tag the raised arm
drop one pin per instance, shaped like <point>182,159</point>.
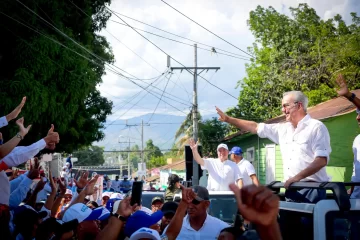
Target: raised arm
<point>244,125</point>
<point>196,155</point>
<point>344,91</point>
<point>6,148</point>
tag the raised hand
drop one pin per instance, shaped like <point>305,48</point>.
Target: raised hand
<point>90,186</point>
<point>15,113</point>
<point>193,144</point>
<point>62,187</point>
<point>22,130</point>
<point>125,209</point>
<point>39,186</point>
<point>52,183</point>
<point>257,204</point>
<point>15,174</point>
<point>342,89</point>
<point>34,170</point>
<point>52,138</point>
<point>222,116</point>
<point>83,181</point>
<point>188,194</point>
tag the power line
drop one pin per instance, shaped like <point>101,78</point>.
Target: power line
<point>170,33</point>
<point>159,100</point>
<point>207,29</point>
<point>172,57</point>
<point>110,69</point>
<point>190,45</point>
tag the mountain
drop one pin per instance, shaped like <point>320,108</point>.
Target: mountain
<point>161,130</point>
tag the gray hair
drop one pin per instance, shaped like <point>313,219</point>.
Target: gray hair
<point>299,97</point>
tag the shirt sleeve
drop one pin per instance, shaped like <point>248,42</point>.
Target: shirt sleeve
<point>237,173</point>
<point>321,143</point>
<point>3,122</point>
<point>15,183</point>
<point>250,169</point>
<point>270,131</point>
<point>22,154</point>
<point>17,196</point>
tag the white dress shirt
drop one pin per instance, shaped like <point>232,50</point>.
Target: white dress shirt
<point>246,170</point>
<point>221,174</point>
<point>3,122</point>
<point>356,168</point>
<point>20,155</point>
<point>210,229</point>
<point>300,146</point>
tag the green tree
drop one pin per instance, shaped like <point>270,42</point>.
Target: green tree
<point>155,162</point>
<point>90,156</point>
<point>151,150</point>
<point>60,84</point>
<point>211,133</point>
<point>301,52</point>
<point>185,132</point>
<point>135,156</point>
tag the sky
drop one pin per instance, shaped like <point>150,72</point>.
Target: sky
<point>142,60</point>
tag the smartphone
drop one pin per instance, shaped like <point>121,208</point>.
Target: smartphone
<point>136,193</point>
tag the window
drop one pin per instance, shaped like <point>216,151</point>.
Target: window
<point>250,154</point>
<point>342,225</point>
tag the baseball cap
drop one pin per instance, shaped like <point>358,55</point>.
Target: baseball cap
<point>81,212</point>
<point>115,195</point>
<point>106,194</point>
<point>145,233</point>
<point>201,192</point>
<point>236,151</point>
<point>68,192</point>
<point>157,199</point>
<point>222,145</point>
<point>141,219</point>
<point>169,207</point>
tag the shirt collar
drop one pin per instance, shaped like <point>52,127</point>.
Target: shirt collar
<point>304,121</point>
<point>187,222</point>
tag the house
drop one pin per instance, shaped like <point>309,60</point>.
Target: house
<point>339,117</point>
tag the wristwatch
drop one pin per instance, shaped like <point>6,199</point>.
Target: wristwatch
<point>118,216</point>
<point>19,136</point>
<point>351,99</point>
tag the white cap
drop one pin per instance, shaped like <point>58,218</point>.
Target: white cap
<point>115,195</point>
<point>81,212</point>
<point>68,192</point>
<point>116,206</point>
<point>107,194</point>
<point>222,145</point>
<point>145,233</point>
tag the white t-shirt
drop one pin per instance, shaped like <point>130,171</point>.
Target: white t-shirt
<point>221,174</point>
<point>246,170</point>
<point>116,185</point>
<point>210,229</point>
<point>356,167</point>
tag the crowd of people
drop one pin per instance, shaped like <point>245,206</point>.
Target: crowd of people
<point>35,205</point>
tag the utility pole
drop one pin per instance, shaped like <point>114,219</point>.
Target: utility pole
<point>128,156</point>
<point>195,178</point>
<point>142,141</point>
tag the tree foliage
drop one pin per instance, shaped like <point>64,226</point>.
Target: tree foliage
<point>90,156</point>
<point>185,132</point>
<point>60,84</point>
<point>151,151</point>
<point>210,135</point>
<point>302,52</point>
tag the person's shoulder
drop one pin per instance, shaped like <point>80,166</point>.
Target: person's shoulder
<point>215,221</point>
<point>231,163</point>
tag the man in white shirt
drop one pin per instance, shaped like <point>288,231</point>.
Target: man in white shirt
<point>116,184</point>
<point>247,170</point>
<point>304,144</point>
<point>198,224</point>
<point>344,91</point>
<point>222,172</point>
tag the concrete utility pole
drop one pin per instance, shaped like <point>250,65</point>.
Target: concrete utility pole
<point>142,136</point>
<point>129,173</point>
<point>195,178</point>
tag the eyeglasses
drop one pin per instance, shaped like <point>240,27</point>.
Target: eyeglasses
<point>196,202</point>
<point>287,105</point>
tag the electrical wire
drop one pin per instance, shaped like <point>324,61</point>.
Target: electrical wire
<point>170,34</point>
<point>159,100</point>
<point>173,57</point>
<point>207,29</point>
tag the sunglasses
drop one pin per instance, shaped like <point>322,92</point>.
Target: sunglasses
<point>196,202</point>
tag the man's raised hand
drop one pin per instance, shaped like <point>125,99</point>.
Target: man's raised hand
<point>15,113</point>
<point>52,138</point>
<point>222,116</point>
<point>187,194</point>
<point>342,89</point>
<point>193,144</point>
<point>22,130</point>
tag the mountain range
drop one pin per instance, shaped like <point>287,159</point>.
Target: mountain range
<point>161,129</point>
